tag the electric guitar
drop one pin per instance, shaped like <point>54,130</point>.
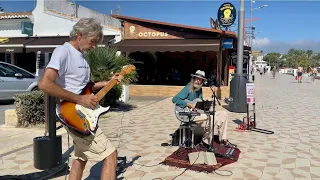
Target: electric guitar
<point>186,114</point>
<point>85,120</point>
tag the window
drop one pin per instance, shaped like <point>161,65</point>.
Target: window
<point>10,71</point>
<point>1,73</point>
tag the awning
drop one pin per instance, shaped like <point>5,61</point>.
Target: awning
<point>47,44</point>
<point>15,45</point>
<point>171,45</point>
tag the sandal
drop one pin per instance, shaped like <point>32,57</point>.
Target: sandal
<point>228,144</point>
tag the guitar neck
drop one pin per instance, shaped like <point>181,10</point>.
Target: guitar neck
<point>106,89</point>
<point>113,82</point>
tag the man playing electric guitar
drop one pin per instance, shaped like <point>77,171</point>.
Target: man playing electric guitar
<point>65,76</point>
<point>192,91</point>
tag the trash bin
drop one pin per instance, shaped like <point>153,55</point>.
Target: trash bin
<point>238,95</point>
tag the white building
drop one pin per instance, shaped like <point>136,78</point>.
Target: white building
<point>27,39</point>
<point>259,58</point>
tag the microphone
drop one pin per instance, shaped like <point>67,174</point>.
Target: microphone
<point>210,82</point>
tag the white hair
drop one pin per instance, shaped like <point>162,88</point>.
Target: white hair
<point>87,27</point>
<point>193,87</point>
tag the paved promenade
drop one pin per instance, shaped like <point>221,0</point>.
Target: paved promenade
<point>283,106</point>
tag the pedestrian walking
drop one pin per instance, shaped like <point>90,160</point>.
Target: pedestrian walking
<point>313,74</point>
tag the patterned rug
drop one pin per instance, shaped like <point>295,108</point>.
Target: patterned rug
<point>180,159</point>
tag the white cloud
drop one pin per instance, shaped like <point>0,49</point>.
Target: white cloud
<point>282,47</point>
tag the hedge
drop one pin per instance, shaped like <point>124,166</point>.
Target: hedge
<point>30,108</point>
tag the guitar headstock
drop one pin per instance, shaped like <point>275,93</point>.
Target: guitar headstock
<point>127,69</point>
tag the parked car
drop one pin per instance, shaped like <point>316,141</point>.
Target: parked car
<point>15,80</point>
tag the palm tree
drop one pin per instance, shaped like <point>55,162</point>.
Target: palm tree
<point>103,62</point>
<point>309,53</point>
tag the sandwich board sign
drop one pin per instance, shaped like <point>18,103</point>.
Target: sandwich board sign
<point>250,93</point>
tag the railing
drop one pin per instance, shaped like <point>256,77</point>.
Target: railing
<point>78,11</point>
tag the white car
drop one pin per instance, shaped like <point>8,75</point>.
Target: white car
<point>15,80</point>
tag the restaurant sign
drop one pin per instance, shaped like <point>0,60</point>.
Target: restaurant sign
<point>136,31</point>
<point>227,14</point>
<point>227,43</point>
<point>27,28</point>
<point>152,34</point>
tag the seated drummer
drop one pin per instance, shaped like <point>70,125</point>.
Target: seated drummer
<point>192,91</point>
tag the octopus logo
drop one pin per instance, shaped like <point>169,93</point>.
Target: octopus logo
<point>4,40</point>
<point>227,14</point>
<point>132,29</point>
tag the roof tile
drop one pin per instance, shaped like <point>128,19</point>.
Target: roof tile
<point>15,15</point>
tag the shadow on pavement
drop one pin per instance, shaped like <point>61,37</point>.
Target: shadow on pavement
<point>55,172</point>
<point>226,107</point>
<point>237,121</point>
<point>122,107</point>
<point>122,166</point>
<point>301,82</point>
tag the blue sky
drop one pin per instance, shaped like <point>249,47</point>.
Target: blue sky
<point>281,25</point>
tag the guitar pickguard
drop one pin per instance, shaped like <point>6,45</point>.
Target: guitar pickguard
<point>91,115</point>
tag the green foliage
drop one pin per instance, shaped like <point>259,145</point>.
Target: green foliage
<point>103,62</point>
<point>294,58</point>
<point>30,108</point>
<point>273,59</point>
<point>305,59</point>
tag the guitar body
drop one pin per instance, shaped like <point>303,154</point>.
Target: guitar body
<point>81,119</point>
<point>178,109</point>
<point>84,120</point>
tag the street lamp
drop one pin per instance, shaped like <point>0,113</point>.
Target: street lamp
<point>251,33</point>
<point>251,9</point>
<point>259,7</point>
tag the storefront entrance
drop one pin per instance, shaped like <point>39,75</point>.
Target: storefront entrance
<point>167,54</point>
<point>172,68</point>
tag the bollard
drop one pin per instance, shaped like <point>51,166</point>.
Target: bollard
<point>47,150</point>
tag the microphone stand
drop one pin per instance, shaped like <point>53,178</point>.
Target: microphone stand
<point>212,111</point>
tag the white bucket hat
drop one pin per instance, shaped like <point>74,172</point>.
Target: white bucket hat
<point>199,74</point>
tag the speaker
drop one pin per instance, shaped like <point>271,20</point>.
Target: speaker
<point>47,152</point>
